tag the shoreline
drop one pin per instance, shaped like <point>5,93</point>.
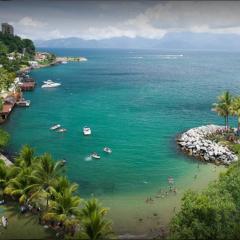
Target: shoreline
<point>195,143</point>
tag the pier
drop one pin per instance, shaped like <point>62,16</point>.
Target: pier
<point>7,108</point>
<point>27,86</point>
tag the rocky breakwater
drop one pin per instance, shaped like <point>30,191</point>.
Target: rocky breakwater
<point>195,143</point>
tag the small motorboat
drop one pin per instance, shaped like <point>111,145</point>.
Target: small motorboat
<point>23,103</point>
<point>50,84</point>
<point>95,155</point>
<point>87,131</point>
<point>55,127</point>
<point>107,150</point>
<point>61,130</point>
<point>64,62</point>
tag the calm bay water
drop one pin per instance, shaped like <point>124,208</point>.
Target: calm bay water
<point>135,102</point>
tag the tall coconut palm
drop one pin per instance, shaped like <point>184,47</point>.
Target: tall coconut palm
<point>62,183</point>
<point>223,107</point>
<point>235,109</point>
<point>6,174</point>
<point>64,209</point>
<point>44,176</point>
<point>95,226</point>
<point>18,186</point>
<point>26,157</point>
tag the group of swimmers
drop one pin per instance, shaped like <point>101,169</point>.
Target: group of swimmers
<point>164,193</point>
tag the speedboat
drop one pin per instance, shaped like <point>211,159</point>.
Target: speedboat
<point>23,103</point>
<point>61,130</point>
<point>48,81</point>
<point>64,62</point>
<point>87,131</point>
<point>107,150</point>
<point>95,155</point>
<point>50,84</point>
<point>55,127</point>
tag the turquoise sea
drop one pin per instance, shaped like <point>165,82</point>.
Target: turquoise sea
<point>136,102</point>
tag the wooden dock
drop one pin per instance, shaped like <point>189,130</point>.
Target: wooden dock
<point>27,86</point>
<point>7,109</point>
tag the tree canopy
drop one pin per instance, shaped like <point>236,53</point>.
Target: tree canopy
<point>4,138</point>
<point>16,44</point>
<point>213,213</point>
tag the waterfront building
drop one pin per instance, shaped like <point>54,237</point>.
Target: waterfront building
<point>7,29</point>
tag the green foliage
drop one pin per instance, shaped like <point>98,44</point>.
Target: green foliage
<point>4,138</point>
<point>16,44</point>
<point>6,78</point>
<point>235,148</point>
<point>38,180</point>
<point>212,214</point>
<point>223,106</point>
<point>3,48</point>
<point>95,225</point>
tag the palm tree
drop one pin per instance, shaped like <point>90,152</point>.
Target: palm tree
<point>235,109</point>
<point>6,174</point>
<point>223,107</point>
<point>17,187</point>
<point>62,183</point>
<point>44,177</point>
<point>20,175</point>
<point>95,226</point>
<point>26,157</point>
<point>64,209</point>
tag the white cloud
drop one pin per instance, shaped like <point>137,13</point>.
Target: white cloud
<point>29,22</point>
<point>106,19</point>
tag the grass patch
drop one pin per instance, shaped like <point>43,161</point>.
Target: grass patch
<point>22,226</point>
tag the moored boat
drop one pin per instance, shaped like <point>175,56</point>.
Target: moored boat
<point>55,127</point>
<point>61,130</point>
<point>87,131</point>
<point>107,150</point>
<point>23,103</point>
<point>95,155</point>
<point>50,84</point>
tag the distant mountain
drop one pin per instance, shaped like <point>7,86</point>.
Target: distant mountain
<point>183,40</point>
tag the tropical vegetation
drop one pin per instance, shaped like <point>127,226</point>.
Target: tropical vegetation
<point>10,43</point>
<point>213,213</point>
<point>224,107</point>
<point>4,138</point>
<point>37,184</point>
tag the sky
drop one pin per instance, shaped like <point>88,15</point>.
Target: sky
<point>50,19</point>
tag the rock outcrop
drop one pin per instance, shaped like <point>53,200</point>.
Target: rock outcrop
<point>195,143</point>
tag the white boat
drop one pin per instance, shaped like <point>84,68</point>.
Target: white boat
<point>55,127</point>
<point>87,131</point>
<point>23,103</point>
<point>107,150</point>
<point>48,81</point>
<point>64,62</point>
<point>61,130</point>
<point>95,155</point>
<point>50,84</point>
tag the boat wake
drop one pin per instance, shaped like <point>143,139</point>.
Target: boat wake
<point>136,57</point>
<point>88,159</point>
<point>170,56</point>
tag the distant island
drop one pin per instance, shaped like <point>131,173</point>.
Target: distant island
<point>171,41</point>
